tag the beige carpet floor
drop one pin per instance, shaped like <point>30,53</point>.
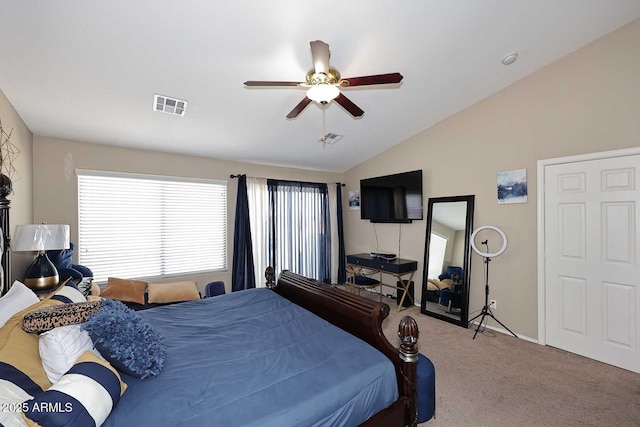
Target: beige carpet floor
<point>498,380</point>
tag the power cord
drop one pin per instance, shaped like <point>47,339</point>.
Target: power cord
<point>375,232</point>
<point>399,237</point>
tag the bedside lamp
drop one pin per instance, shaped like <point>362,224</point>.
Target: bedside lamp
<point>41,274</point>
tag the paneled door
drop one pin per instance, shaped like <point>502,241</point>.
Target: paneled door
<point>592,274</point>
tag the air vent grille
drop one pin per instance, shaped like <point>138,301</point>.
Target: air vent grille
<point>331,138</point>
<point>166,104</point>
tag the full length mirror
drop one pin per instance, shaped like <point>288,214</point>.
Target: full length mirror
<point>447,259</point>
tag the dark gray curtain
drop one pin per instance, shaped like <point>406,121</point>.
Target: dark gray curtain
<point>342,265</point>
<point>299,228</point>
<point>242,273</point>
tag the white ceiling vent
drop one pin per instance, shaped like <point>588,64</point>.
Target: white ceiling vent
<point>169,105</point>
<point>331,138</point>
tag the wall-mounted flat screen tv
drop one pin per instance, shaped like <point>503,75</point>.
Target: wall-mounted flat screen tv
<point>392,198</point>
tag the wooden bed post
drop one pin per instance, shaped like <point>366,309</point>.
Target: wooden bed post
<point>6,187</point>
<point>270,275</point>
<point>408,333</point>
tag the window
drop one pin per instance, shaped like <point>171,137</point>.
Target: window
<point>133,225</point>
<point>437,249</point>
<point>290,227</point>
<point>300,235</point>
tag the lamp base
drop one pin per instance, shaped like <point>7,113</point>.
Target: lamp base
<point>41,275</point>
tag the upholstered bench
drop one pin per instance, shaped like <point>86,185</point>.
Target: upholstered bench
<point>426,380</point>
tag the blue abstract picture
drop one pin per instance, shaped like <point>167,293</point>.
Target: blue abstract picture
<point>512,186</point>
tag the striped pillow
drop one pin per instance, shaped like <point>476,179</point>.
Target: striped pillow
<point>68,293</point>
<point>84,396</point>
<point>15,388</point>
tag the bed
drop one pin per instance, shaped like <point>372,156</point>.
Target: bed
<point>301,353</point>
<point>260,357</point>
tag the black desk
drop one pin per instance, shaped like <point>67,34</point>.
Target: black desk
<point>397,268</point>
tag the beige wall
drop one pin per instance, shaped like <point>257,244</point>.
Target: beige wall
<point>56,189</point>
<point>588,101</point>
<point>457,257</point>
<point>21,211</point>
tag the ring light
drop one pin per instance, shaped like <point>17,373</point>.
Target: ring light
<point>486,310</point>
<point>489,254</point>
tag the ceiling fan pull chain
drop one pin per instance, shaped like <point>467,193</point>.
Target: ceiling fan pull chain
<point>324,122</point>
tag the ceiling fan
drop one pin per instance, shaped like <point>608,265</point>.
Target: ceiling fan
<point>323,83</point>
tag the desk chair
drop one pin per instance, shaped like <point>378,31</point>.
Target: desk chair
<point>214,288</point>
<point>361,278</point>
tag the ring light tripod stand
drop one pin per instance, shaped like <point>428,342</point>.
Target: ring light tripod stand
<point>486,310</point>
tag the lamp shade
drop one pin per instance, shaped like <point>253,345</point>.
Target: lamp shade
<point>40,237</point>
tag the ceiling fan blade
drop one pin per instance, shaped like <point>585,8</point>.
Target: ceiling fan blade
<point>320,56</point>
<point>378,79</point>
<point>260,83</point>
<point>298,108</point>
<point>346,103</point>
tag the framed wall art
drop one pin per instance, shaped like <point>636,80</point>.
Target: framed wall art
<point>512,186</point>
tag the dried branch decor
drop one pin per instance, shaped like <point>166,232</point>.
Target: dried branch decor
<point>8,153</point>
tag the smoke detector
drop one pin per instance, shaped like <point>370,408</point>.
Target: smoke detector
<point>166,104</point>
<point>510,58</point>
<point>330,138</point>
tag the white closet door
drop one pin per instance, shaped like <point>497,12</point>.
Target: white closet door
<point>592,274</point>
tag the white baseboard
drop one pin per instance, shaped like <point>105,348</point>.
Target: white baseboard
<point>504,331</point>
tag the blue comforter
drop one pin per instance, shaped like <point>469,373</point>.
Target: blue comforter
<point>252,358</point>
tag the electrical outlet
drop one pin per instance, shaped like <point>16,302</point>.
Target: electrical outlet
<point>493,304</point>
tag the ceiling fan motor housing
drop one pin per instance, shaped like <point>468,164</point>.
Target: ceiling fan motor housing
<point>332,78</point>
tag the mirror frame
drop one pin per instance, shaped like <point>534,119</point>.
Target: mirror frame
<point>464,310</point>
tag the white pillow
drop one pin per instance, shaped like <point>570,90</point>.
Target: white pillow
<point>60,348</point>
<point>17,299</point>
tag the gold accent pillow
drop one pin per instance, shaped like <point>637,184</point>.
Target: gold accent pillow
<point>432,286</point>
<point>21,349</point>
<point>439,284</point>
<point>125,290</point>
<point>172,292</point>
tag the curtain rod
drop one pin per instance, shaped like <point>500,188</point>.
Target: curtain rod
<point>242,174</point>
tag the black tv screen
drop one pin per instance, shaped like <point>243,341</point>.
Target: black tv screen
<point>392,198</point>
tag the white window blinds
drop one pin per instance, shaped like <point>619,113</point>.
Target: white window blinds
<point>142,226</point>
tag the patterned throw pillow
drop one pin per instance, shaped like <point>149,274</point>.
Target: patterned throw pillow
<point>47,318</point>
<point>84,396</point>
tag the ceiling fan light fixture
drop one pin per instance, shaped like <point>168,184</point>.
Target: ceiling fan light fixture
<point>323,93</point>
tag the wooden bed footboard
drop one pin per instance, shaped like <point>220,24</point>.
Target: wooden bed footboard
<point>363,318</point>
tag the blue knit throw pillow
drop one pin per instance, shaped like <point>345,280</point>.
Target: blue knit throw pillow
<point>126,340</point>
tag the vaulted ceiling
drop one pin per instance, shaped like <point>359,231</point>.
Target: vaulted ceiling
<point>88,71</point>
